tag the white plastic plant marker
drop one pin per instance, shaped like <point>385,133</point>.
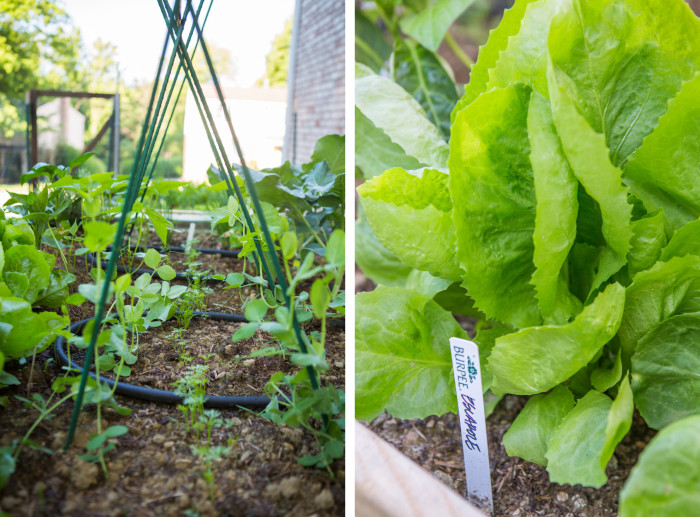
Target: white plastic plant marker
<point>470,398</point>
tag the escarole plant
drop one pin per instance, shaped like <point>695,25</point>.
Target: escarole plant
<point>564,217</point>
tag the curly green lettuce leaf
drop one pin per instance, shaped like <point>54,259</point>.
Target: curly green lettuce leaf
<point>383,268</point>
<point>648,239</point>
<point>57,291</point>
<point>402,355</point>
<point>536,359</point>
<point>430,24</point>
<point>654,296</point>
<point>490,53</point>
<point>556,189</point>
<point>393,110</point>
<point>603,378</point>
<point>666,479</point>
<point>419,71</point>
<point>491,183</point>
<point>410,213</point>
<point>531,432</point>
<point>584,442</point>
<point>664,171</point>
<point>28,329</point>
<point>524,60</point>
<point>587,154</point>
<point>375,261</point>
<point>375,152</point>
<point>622,61</point>
<point>26,271</point>
<point>685,241</point>
<point>666,371</point>
<point>486,339</point>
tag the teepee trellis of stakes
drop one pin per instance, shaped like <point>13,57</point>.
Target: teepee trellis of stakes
<point>179,21</point>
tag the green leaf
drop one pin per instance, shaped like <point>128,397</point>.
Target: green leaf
<point>430,24</point>
<point>28,329</point>
<point>531,432</point>
<point>122,282</point>
<point>331,149</point>
<point>410,213</point>
<point>665,368</point>
<point>160,224</point>
<point>166,272</point>
<point>536,359</point>
<point>587,153</point>
<point>245,331</point>
<point>663,173</point>
<point>375,152</point>
<point>394,111</point>
<point>57,291</point>
<point>152,258</point>
<point>666,479</point>
<point>654,296</point>
<point>648,238</point>
<point>288,244</point>
<point>603,379</point>
<point>375,261</point>
<point>402,358</point>
<point>494,214</point>
<point>77,162</point>
<point>622,89</point>
<point>335,248</point>
<point>556,189</point>
<point>26,271</point>
<point>685,241</point>
<point>255,310</point>
<point>619,420</point>
<point>490,53</point>
<point>371,47</point>
<point>235,279</point>
<point>18,233</point>
<point>116,430</point>
<point>320,298</point>
<point>516,51</point>
<point>585,440</point>
<point>419,71</point>
<point>98,235</point>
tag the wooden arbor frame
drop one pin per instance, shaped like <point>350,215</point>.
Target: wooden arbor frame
<point>112,123</point>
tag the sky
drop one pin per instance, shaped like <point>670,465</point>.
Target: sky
<point>246,28</point>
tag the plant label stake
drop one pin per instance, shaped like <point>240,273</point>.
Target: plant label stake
<point>470,398</point>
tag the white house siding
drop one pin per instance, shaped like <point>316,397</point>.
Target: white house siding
<point>258,116</point>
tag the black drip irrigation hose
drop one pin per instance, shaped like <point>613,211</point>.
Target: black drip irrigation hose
<point>178,249</point>
<point>164,396</point>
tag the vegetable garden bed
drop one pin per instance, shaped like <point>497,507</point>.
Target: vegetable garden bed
<point>281,349</point>
<point>154,471</point>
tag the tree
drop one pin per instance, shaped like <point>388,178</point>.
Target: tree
<point>278,58</point>
<point>38,50</point>
<point>224,64</point>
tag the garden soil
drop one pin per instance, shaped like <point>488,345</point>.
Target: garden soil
<point>153,471</point>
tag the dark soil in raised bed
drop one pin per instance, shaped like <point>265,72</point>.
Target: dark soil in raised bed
<point>153,471</point>
<point>230,371</point>
<point>520,488</point>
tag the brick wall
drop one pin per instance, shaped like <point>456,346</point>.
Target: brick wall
<point>316,78</point>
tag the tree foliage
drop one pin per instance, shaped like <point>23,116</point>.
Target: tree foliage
<point>38,49</point>
<point>278,58</point>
